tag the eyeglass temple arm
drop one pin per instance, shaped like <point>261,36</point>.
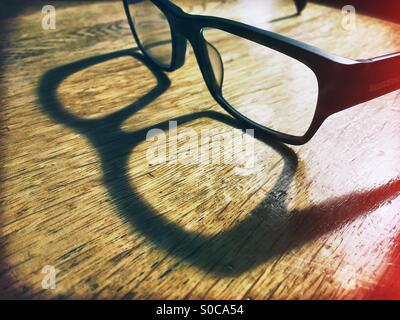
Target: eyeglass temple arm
<point>382,76</point>
<point>366,80</point>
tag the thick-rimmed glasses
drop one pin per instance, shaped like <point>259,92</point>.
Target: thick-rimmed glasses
<point>275,84</point>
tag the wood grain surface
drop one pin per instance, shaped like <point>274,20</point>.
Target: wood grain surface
<point>320,221</point>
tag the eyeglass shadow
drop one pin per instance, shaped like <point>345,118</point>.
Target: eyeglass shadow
<point>229,253</point>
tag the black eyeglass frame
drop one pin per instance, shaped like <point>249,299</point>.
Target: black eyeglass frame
<point>342,82</point>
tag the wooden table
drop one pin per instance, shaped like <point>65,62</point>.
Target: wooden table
<point>77,194</point>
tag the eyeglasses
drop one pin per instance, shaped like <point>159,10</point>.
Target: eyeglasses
<point>280,86</point>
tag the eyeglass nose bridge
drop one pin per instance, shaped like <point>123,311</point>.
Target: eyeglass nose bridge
<point>185,31</point>
<point>180,48</point>
<point>211,56</point>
